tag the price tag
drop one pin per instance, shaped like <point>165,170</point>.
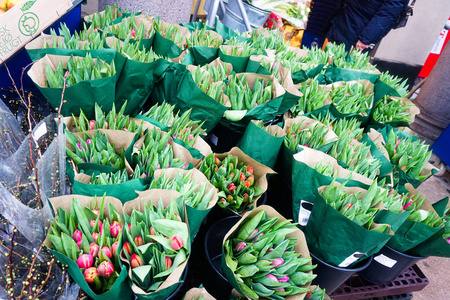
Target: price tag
<point>351,259</point>
<point>40,131</point>
<point>385,261</point>
<point>214,139</point>
<point>305,212</point>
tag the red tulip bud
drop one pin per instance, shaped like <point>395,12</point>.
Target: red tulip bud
<point>272,277</point>
<point>115,228</point>
<point>176,243</point>
<point>100,224</point>
<point>94,248</point>
<point>138,241</point>
<point>85,261</point>
<point>152,231</point>
<point>253,234</point>
<point>283,279</point>
<point>168,263</point>
<point>105,269</point>
<point>136,261</point>
<point>90,274</point>
<point>92,125</point>
<point>277,262</point>
<point>95,236</point>
<point>240,246</point>
<point>178,217</point>
<point>230,198</point>
<point>129,227</point>
<point>250,169</point>
<point>114,247</point>
<point>231,187</point>
<point>251,179</point>
<point>127,247</point>
<point>247,184</point>
<point>257,237</point>
<point>96,211</point>
<point>242,177</point>
<point>77,235</point>
<point>280,290</point>
<point>246,197</point>
<point>107,251</point>
<point>403,168</point>
<point>217,161</point>
<point>79,244</point>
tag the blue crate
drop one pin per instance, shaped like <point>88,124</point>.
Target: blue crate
<point>21,59</point>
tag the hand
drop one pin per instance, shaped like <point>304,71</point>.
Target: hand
<point>361,46</point>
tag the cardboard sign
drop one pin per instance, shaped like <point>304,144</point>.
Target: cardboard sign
<point>27,20</point>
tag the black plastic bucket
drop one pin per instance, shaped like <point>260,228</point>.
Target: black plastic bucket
<point>214,279</point>
<point>330,277</point>
<point>175,295</point>
<point>279,196</point>
<point>222,139</point>
<point>387,265</point>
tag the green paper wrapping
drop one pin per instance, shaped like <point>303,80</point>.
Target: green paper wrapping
<point>136,83</point>
<point>166,47</point>
<point>124,191</point>
<point>195,216</point>
<point>303,75</point>
<point>120,289</point>
<point>200,55</point>
<point>413,110</point>
<point>300,247</point>
<point>239,63</point>
<point>383,157</point>
<point>195,26</point>
<point>334,74</point>
<point>154,122</point>
<point>333,237</point>
<point>260,145</point>
<point>308,180</point>
<point>411,234</point>
<point>436,245</point>
<point>179,89</point>
<point>82,95</point>
<point>172,281</point>
<point>381,89</point>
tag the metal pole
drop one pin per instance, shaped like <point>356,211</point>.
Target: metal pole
<point>197,5</point>
<point>244,15</point>
<point>212,14</point>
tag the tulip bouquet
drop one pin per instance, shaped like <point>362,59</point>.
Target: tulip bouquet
<point>115,178</point>
<point>77,70</point>
<point>171,32</point>
<point>156,242</point>
<point>313,98</point>
<point>203,38</point>
<point>358,158</point>
<point>243,97</point>
<point>156,153</point>
<point>129,28</point>
<point>162,113</point>
<point>392,110</point>
<point>266,128</point>
<point>218,72</point>
<point>361,210</point>
<point>396,83</point>
<point>317,56</point>
<point>356,60</point>
<point>325,169</point>
<point>90,40</point>
<point>195,195</point>
<point>94,149</point>
<point>185,129</point>
<point>316,294</point>
<point>213,89</point>
<point>311,137</point>
<point>134,52</point>
<point>336,51</point>
<point>234,180</point>
<point>91,238</point>
<point>112,120</point>
<point>266,39</point>
<point>272,66</point>
<point>266,257</point>
<point>351,98</point>
<point>407,155</point>
<point>105,18</point>
<point>348,130</point>
<point>238,50</point>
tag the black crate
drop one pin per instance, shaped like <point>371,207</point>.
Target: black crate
<point>356,288</point>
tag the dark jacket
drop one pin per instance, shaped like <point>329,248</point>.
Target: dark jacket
<point>365,20</point>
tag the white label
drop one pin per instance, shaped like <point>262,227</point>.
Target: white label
<point>385,261</point>
<point>437,47</point>
<point>304,212</point>
<point>214,139</point>
<point>351,259</point>
<point>40,131</point>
